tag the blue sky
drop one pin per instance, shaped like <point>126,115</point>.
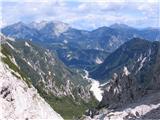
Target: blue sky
<point>83,14</point>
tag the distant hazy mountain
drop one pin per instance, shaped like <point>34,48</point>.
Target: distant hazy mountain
<point>58,36</point>
<point>120,26</point>
<point>21,31</point>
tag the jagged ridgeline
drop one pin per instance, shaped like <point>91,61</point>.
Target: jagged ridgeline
<point>131,77</point>
<point>64,89</point>
<point>78,48</point>
<point>132,71</point>
<point>137,55</point>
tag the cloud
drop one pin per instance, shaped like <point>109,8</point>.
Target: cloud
<point>83,15</point>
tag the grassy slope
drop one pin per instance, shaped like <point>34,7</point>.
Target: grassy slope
<point>65,106</point>
<point>12,66</point>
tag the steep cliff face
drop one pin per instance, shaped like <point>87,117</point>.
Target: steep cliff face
<point>133,84</point>
<point>132,54</point>
<point>64,89</point>
<point>121,89</point>
<point>19,100</point>
<point>43,68</point>
<point>137,75</point>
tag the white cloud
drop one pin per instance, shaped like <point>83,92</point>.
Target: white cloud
<point>85,15</point>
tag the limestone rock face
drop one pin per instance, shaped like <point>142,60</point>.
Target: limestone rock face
<point>120,90</point>
<point>134,88</point>
<point>19,101</point>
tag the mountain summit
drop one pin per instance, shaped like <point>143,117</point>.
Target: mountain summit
<point>120,26</point>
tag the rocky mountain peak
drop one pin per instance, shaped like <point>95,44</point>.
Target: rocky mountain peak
<point>57,27</point>
<point>119,26</point>
<point>38,24</point>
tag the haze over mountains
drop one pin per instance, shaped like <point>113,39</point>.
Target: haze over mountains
<point>52,58</point>
<point>78,48</point>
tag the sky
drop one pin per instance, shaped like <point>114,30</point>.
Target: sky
<point>82,14</point>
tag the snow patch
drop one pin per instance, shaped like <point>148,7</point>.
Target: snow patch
<point>10,46</point>
<point>98,60</point>
<point>65,41</point>
<point>27,44</point>
<point>60,28</point>
<point>141,64</point>
<point>96,90</point>
<point>69,55</point>
<point>95,87</point>
<point>125,71</point>
<point>104,84</point>
<point>14,61</point>
<point>140,58</point>
<point>117,90</point>
<point>29,63</point>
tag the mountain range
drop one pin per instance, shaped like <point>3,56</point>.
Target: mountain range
<point>131,77</point>
<point>68,68</point>
<point>78,48</point>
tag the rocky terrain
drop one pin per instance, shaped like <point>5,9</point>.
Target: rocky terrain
<point>19,100</point>
<point>142,109</point>
<point>64,89</point>
<point>60,65</point>
<point>133,89</point>
<point>78,48</point>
